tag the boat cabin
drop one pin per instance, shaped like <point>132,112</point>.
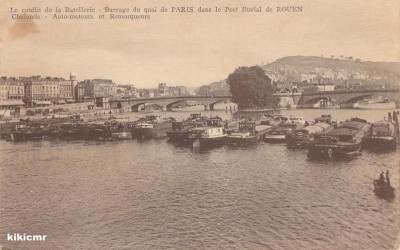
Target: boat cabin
<point>211,132</point>
<point>178,126</point>
<point>324,118</point>
<point>247,126</point>
<point>195,116</point>
<point>215,122</point>
<point>152,118</point>
<point>381,129</point>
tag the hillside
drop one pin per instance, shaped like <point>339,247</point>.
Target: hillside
<point>309,69</point>
<point>300,68</point>
<point>216,88</point>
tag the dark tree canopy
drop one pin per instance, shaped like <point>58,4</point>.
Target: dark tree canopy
<point>251,88</point>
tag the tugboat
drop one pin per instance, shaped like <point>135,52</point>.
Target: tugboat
<point>214,134</point>
<point>344,140</point>
<point>381,136</point>
<point>152,127</point>
<point>248,133</point>
<point>304,136</point>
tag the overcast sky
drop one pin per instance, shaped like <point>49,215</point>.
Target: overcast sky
<point>193,49</point>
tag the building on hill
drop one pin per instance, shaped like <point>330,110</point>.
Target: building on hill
<point>164,91</point>
<point>325,87</point>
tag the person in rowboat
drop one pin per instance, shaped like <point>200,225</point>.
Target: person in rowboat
<point>382,179</point>
<point>387,178</point>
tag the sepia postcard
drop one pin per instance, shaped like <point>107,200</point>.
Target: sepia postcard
<point>199,124</point>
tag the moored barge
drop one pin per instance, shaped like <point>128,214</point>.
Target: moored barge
<point>26,133</point>
<point>249,132</point>
<point>186,131</point>
<point>278,133</point>
<point>344,140</point>
<point>381,136</point>
<point>152,127</point>
<point>304,136</point>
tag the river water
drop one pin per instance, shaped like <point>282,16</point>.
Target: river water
<point>154,195</point>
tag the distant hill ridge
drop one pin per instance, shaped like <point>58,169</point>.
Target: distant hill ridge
<point>305,68</point>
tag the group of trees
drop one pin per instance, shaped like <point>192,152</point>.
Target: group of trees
<point>251,88</point>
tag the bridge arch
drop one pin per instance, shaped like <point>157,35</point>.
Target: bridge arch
<point>358,98</point>
<point>213,103</point>
<point>135,107</point>
<point>322,100</point>
<point>317,99</point>
<point>169,105</point>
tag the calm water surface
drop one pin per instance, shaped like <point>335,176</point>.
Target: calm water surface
<point>154,195</point>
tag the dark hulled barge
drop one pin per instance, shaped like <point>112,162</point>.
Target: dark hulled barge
<point>381,136</point>
<point>186,131</point>
<point>304,136</point>
<point>152,127</point>
<point>26,133</point>
<point>344,140</point>
<point>278,134</point>
<point>249,132</point>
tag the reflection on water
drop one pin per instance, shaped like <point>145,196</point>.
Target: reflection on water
<point>389,196</point>
<point>154,194</point>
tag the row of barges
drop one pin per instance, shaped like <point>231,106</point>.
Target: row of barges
<point>322,137</point>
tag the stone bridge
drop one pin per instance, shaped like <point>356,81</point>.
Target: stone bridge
<point>167,102</point>
<point>344,98</point>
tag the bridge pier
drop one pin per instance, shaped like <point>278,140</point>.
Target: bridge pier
<point>167,108</point>
<point>137,107</point>
<point>211,107</point>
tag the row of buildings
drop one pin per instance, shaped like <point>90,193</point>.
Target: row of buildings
<point>39,91</point>
<point>163,91</point>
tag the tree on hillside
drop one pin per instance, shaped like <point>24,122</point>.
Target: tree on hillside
<point>251,88</point>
